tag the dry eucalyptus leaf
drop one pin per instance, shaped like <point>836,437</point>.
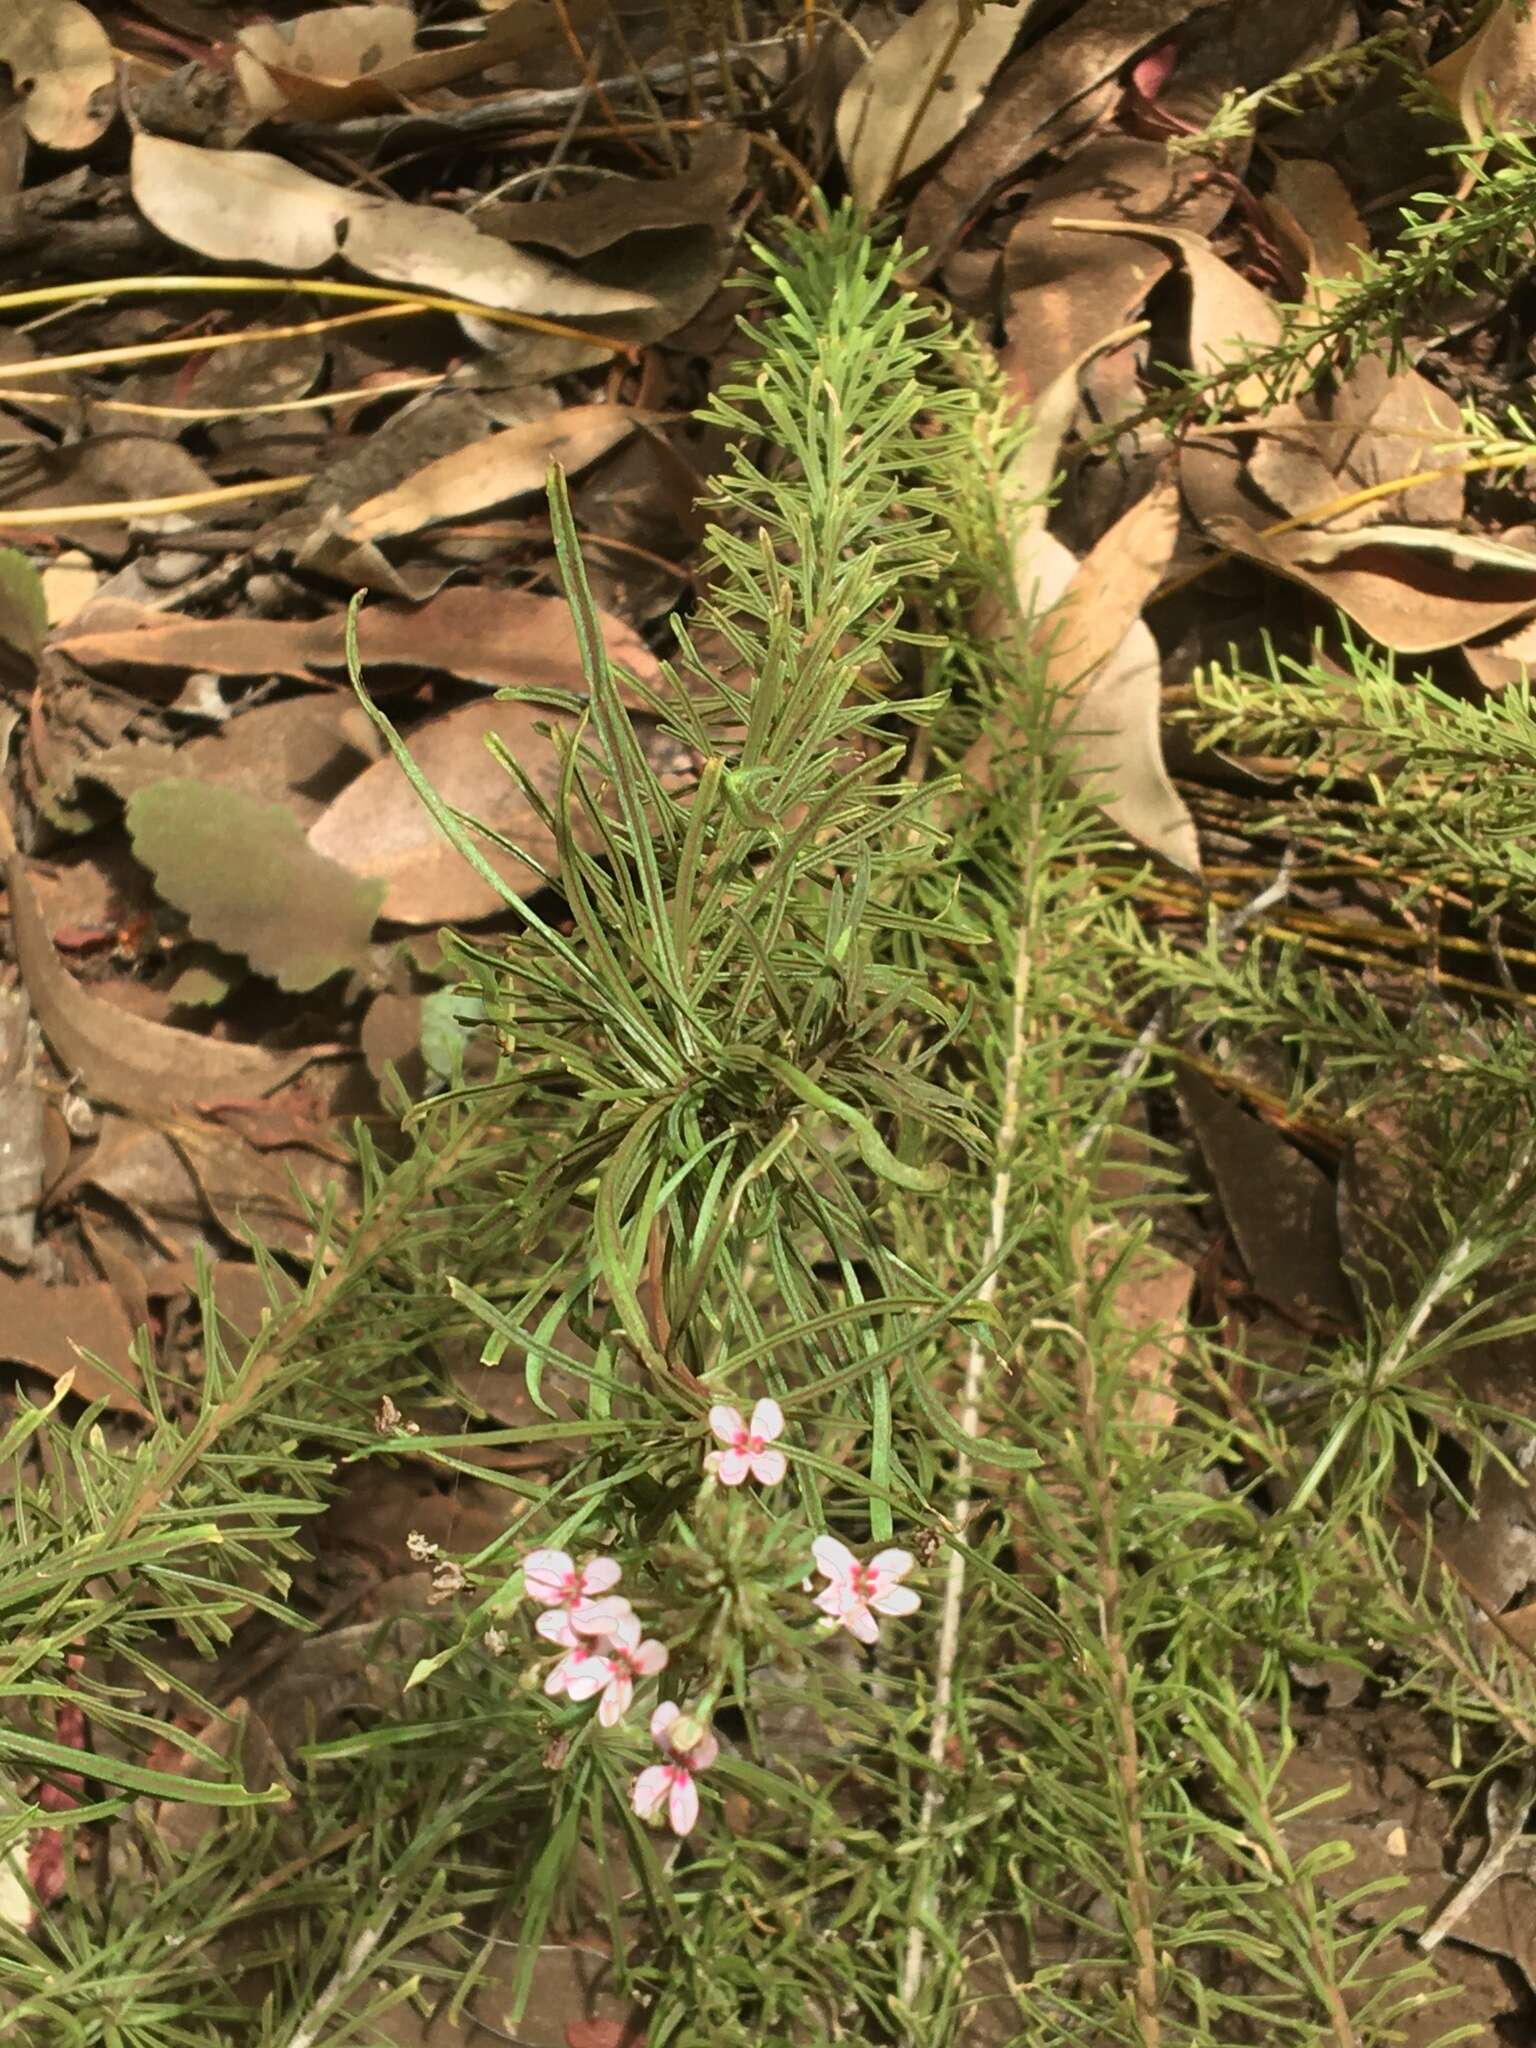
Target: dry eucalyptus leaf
<point>1104,655</point>
<point>1065,291</point>
<point>1412,588</point>
<point>378,827</point>
<point>323,64</point>
<point>915,94</point>
<point>241,873</point>
<point>1228,316</point>
<point>1280,1207</point>
<point>1093,41</point>
<point>507,465</point>
<point>48,1328</point>
<point>245,206</point>
<point>1505,661</point>
<point>1310,204</point>
<point>104,469</point>
<point>1376,428</point>
<point>1025,490</point>
<point>1492,78</point>
<point>615,207</point>
<point>503,639</point>
<point>1102,660</point>
<point>60,61</point>
<point>139,1065</point>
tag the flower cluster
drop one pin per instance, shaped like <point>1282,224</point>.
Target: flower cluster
<point>605,1650</point>
<point>606,1653</point>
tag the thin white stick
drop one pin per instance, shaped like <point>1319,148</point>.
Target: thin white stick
<point>970,1423</point>
<point>352,1964</point>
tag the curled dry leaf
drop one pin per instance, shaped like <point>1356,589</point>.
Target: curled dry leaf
<point>324,65</point>
<point>1083,50</point>
<point>245,206</point>
<point>1066,291</point>
<point>507,465</point>
<point>1228,316</point>
<point>242,874</point>
<point>1412,588</point>
<point>60,62</point>
<point>1376,427</point>
<point>1101,659</point>
<point>504,639</point>
<point>139,1065</point>
<point>379,828</point>
<point>915,94</point>
<point>1025,491</point>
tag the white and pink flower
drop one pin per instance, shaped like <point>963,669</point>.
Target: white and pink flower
<point>747,1445</point>
<point>855,1593</point>
<point>671,1783</point>
<point>607,1670</point>
<point>569,1593</point>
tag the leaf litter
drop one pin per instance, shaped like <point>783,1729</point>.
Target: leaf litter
<point>384,266</point>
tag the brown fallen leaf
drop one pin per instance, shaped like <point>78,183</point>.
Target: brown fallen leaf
<point>177,1177</point>
<point>1499,663</point>
<point>1310,205</point>
<point>504,639</point>
<point>246,880</point>
<point>48,1328</point>
<point>1279,1206</point>
<point>507,465</point>
<point>1101,659</point>
<point>379,828</point>
<point>513,32</point>
<point>324,65</point>
<point>103,469</point>
<point>1412,588</point>
<point>245,206</point>
<point>1083,50</point>
<point>1228,316</point>
<point>1377,426</point>
<point>614,208</point>
<point>139,1065</point>
<point>1491,79</point>
<point>915,94</point>
<point>60,61</point>
<point>1064,291</point>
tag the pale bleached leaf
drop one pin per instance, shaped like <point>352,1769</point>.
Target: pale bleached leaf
<point>245,206</point>
<point>915,94</point>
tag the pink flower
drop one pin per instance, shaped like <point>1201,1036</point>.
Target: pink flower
<point>856,1592</point>
<point>610,1668</point>
<point>673,1780</point>
<point>746,1445</point>
<point>550,1579</point>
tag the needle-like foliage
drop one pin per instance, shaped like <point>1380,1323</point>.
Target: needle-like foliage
<point>813,1088</point>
